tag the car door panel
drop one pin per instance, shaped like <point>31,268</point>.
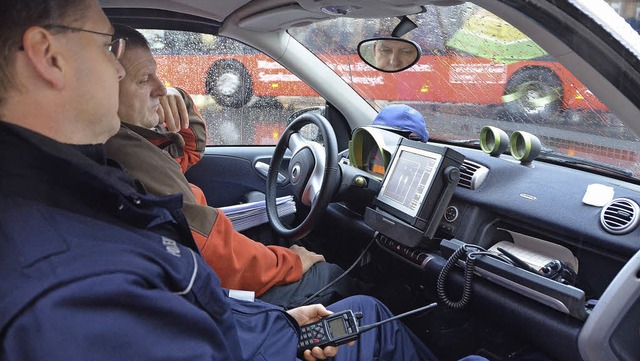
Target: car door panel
<point>227,174</point>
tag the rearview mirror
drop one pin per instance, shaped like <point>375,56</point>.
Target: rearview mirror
<point>389,54</point>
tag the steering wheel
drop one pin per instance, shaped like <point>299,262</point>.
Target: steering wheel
<point>313,172</point>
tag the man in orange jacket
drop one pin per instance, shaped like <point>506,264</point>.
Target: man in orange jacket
<point>149,151</point>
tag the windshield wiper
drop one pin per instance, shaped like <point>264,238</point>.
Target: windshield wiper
<point>552,155</point>
<point>475,142</point>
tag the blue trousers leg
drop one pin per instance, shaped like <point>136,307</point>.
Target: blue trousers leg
<point>391,341</point>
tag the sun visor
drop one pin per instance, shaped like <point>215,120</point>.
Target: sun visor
<point>280,18</point>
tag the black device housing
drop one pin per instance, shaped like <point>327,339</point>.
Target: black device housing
<point>333,330</point>
<point>406,228</point>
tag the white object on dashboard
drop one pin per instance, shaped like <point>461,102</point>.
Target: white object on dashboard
<point>597,195</point>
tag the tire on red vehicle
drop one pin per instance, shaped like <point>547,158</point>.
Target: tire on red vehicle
<point>533,94</point>
<point>229,82</point>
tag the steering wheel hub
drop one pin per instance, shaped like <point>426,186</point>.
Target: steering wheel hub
<point>295,173</point>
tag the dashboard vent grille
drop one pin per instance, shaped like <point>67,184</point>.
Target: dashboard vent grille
<point>620,216</point>
<point>472,175</point>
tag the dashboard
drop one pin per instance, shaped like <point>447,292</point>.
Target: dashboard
<point>542,211</point>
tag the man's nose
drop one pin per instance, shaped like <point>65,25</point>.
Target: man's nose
<point>120,71</point>
<point>395,59</point>
<point>159,89</point>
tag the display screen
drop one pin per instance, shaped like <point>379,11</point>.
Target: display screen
<point>337,328</point>
<point>409,179</point>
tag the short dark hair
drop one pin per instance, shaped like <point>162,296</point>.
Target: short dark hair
<point>135,39</point>
<point>16,16</point>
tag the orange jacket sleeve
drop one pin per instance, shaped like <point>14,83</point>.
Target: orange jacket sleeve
<point>244,264</point>
<point>187,148</point>
<point>195,137</point>
<point>240,262</point>
<point>198,194</point>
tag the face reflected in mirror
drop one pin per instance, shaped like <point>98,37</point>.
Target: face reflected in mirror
<point>389,54</point>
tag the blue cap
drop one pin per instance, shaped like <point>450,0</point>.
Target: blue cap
<point>402,118</point>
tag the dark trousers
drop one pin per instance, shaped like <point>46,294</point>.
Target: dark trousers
<point>390,341</point>
<point>319,275</point>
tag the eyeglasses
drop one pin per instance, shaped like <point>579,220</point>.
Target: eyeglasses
<point>116,46</point>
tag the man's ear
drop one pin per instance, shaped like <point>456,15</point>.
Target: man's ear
<point>43,52</point>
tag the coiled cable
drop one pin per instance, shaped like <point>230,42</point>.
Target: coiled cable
<point>470,252</point>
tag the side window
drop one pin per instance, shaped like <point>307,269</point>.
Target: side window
<point>245,96</point>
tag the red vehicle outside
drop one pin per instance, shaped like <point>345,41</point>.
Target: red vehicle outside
<point>535,89</point>
<point>450,79</point>
<point>232,79</point>
<point>544,87</point>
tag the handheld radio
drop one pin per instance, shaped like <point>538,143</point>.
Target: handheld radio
<point>340,328</point>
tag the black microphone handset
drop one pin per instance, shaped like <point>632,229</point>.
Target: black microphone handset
<point>559,271</point>
<point>555,269</point>
<point>340,328</point>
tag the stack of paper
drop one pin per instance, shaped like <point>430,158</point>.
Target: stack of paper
<point>247,215</point>
<point>536,252</point>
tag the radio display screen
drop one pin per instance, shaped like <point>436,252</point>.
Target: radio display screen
<point>411,175</point>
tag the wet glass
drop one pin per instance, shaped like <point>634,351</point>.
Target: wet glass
<point>476,69</point>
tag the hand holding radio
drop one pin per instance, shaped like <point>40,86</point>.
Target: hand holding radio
<point>333,330</point>
<point>309,315</point>
<point>305,315</point>
<point>336,329</point>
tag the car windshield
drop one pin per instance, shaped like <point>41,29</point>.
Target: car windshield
<point>476,70</point>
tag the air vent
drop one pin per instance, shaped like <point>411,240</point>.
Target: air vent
<point>620,216</point>
<point>472,175</point>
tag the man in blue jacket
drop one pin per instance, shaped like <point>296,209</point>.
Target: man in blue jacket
<point>90,264</point>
